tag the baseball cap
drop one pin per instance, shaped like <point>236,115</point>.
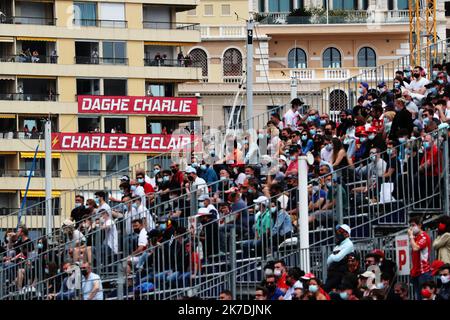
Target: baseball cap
<point>367,274</point>
<point>381,84</point>
<point>282,157</point>
<point>365,84</point>
<point>378,252</point>
<point>309,276</point>
<point>344,227</point>
<point>203,212</point>
<point>125,178</point>
<point>190,169</point>
<point>436,266</point>
<point>261,199</point>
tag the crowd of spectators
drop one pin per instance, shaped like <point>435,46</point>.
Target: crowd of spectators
<point>389,133</point>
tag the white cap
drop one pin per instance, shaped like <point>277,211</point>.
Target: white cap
<point>283,200</point>
<point>190,169</point>
<point>344,227</point>
<point>282,157</point>
<point>261,199</point>
<point>68,223</point>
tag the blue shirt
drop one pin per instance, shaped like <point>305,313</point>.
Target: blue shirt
<point>308,147</point>
<point>88,284</point>
<point>283,223</point>
<point>316,196</point>
<point>210,176</point>
<point>341,251</point>
<point>277,294</point>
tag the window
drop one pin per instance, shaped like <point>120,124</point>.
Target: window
<point>26,165</point>
<point>116,162</point>
<point>161,126</point>
<point>88,86</point>
<point>280,5</point>
<point>237,116</point>
<point>226,10</point>
<point>331,58</point>
<point>297,58</point>
<point>88,124</point>
<point>403,4</point>
<point>114,87</point>
<point>200,57</point>
<point>114,52</point>
<point>192,12</point>
<point>85,13</point>
<point>36,206</point>
<point>115,125</point>
<point>112,14</point>
<point>89,164</point>
<point>345,4</point>
<point>338,100</point>
<point>367,57</point>
<point>160,89</point>
<point>157,17</point>
<point>232,63</point>
<point>447,9</point>
<point>209,10</point>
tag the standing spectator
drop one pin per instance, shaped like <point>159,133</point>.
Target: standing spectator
<point>402,120</point>
<point>442,242</point>
<point>79,212</point>
<point>196,182</point>
<point>280,274</point>
<point>91,284</point>
<point>100,200</point>
<point>444,291</point>
<point>291,116</point>
<point>337,262</point>
<point>417,85</point>
<point>53,56</point>
<point>94,56</point>
<point>111,243</point>
<point>178,176</point>
<point>421,248</point>
<point>180,58</point>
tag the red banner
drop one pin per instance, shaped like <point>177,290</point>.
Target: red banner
<point>137,105</point>
<point>150,143</point>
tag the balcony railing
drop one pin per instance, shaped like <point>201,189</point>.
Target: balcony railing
<point>5,134</point>
<point>98,60</point>
<point>170,25</point>
<point>322,74</point>
<point>344,17</point>
<point>98,173</point>
<point>8,211</point>
<point>28,20</point>
<point>29,96</point>
<point>34,210</point>
<point>232,79</point>
<point>170,63</point>
<point>29,59</point>
<point>100,23</point>
<point>39,173</point>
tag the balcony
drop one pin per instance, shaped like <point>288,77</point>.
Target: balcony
<point>223,32</point>
<point>37,173</point>
<point>100,23</point>
<point>337,17</point>
<point>21,58</point>
<point>29,96</point>
<point>170,25</point>
<point>160,62</point>
<point>325,74</point>
<point>94,60</point>
<point>21,135</point>
<point>28,20</point>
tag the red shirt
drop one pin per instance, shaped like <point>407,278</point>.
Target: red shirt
<point>421,258</point>
<point>148,188</point>
<point>433,155</point>
<point>281,284</point>
<point>292,168</point>
<point>378,124</point>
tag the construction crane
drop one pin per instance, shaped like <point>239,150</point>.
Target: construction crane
<point>422,33</point>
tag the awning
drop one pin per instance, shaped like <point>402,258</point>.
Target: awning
<point>40,155</point>
<point>7,116</point>
<point>36,77</point>
<point>3,153</point>
<point>6,39</point>
<point>8,191</point>
<point>6,77</point>
<point>38,193</point>
<point>163,43</point>
<point>36,39</point>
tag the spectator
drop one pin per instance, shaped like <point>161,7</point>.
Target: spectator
<point>444,291</point>
<point>79,212</point>
<point>261,293</point>
<point>197,183</point>
<point>291,116</point>
<point>293,282</point>
<point>421,248</point>
<point>442,242</point>
<point>400,291</point>
<point>402,119</point>
<point>91,284</point>
<point>314,288</point>
<point>280,274</point>
<point>100,201</point>
<point>225,295</point>
<point>428,291</point>
<point>273,293</point>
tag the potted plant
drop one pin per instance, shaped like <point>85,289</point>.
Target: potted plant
<point>299,16</point>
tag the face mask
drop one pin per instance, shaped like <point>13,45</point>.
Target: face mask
<point>445,279</point>
<point>40,245</point>
<point>360,90</point>
<point>249,176</point>
<point>273,209</point>
<point>271,287</point>
<point>190,178</point>
<point>260,136</point>
<point>382,90</point>
<point>84,272</point>
<point>292,158</point>
<point>380,285</point>
<point>174,170</point>
<point>77,205</point>
<point>373,157</point>
<point>245,141</point>
<point>435,73</point>
<point>397,85</point>
<point>134,205</point>
<point>312,132</point>
<point>140,180</point>
<point>402,140</point>
<point>311,118</point>
<point>371,137</point>
<point>156,171</point>
<point>136,230</point>
<point>328,184</point>
<point>160,180</point>
<point>277,273</point>
<point>440,82</point>
<point>416,75</point>
<point>162,226</point>
<point>257,207</point>
<point>203,167</point>
<point>389,151</point>
<point>426,145</point>
<point>97,201</point>
<point>339,238</point>
<point>433,91</point>
<point>304,138</point>
<point>268,136</point>
<point>329,147</point>
<point>133,188</point>
<point>415,230</point>
<point>323,122</point>
<point>426,121</point>
<point>124,207</point>
<point>363,139</point>
<point>316,188</point>
<point>313,288</point>
<point>344,295</point>
<point>166,178</point>
<point>201,205</point>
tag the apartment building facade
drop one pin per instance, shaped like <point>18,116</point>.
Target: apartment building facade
<point>293,39</point>
<point>105,72</point>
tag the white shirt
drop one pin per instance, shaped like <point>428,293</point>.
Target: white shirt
<point>379,169</point>
<point>290,118</point>
<point>200,184</point>
<point>78,237</point>
<point>142,239</point>
<point>105,207</point>
<point>326,155</point>
<point>240,178</point>
<point>112,237</point>
<point>144,213</point>
<point>291,290</point>
<point>140,192</point>
<point>417,84</point>
<point>129,217</point>
<point>87,285</point>
<point>252,154</point>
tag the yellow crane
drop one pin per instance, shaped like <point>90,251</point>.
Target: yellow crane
<point>422,32</point>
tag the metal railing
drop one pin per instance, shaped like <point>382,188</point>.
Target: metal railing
<point>29,59</point>
<point>101,23</point>
<point>100,60</point>
<point>28,20</point>
<point>21,135</point>
<point>170,25</point>
<point>39,173</point>
<point>161,62</point>
<point>29,96</point>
